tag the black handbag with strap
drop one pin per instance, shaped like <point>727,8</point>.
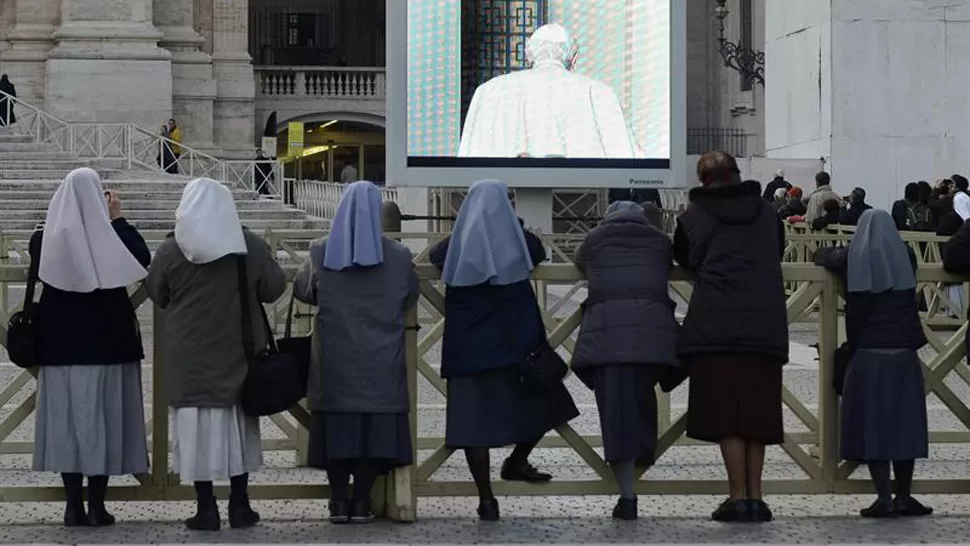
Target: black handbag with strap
<point>275,380</point>
<point>22,327</point>
<point>542,369</point>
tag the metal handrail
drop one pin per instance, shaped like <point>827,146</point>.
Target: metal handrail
<point>137,146</point>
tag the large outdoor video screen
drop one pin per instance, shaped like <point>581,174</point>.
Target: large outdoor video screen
<point>584,83</point>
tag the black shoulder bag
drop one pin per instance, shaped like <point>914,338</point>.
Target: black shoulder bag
<point>275,381</point>
<point>22,327</point>
<point>542,369</point>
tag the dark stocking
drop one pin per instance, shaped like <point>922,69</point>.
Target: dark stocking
<point>879,470</point>
<point>74,515</point>
<point>734,453</point>
<point>239,489</point>
<point>74,486</point>
<point>904,478</point>
<point>338,474</point>
<point>520,455</point>
<point>480,467</point>
<point>365,474</point>
<point>204,495</point>
<point>206,516</point>
<point>97,489</point>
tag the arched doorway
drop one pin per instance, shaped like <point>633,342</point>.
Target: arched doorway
<point>331,144</point>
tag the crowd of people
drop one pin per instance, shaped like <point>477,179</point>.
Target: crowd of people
<point>941,208</point>
<point>504,386</point>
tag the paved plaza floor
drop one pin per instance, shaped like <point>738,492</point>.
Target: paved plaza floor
<point>541,520</point>
<point>675,520</point>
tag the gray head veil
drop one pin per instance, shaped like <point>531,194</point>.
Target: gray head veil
<point>878,257</point>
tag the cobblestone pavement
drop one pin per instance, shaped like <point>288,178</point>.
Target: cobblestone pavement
<point>550,520</point>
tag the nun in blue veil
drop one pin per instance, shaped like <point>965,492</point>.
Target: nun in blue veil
<point>363,284</point>
<point>883,419</point>
<point>492,323</point>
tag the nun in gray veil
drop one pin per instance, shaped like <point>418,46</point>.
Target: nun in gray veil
<point>492,323</point>
<point>883,420</point>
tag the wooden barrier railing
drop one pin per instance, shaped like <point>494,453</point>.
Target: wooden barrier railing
<point>812,446</point>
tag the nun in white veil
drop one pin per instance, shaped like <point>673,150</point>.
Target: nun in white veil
<point>90,418</point>
<point>195,279</point>
<point>883,417</point>
<point>492,323</point>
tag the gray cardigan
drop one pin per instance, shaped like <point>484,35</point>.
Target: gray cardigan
<point>628,317</point>
<point>358,363</point>
<point>204,362</point>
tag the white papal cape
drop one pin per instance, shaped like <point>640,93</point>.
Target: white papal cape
<point>547,111</point>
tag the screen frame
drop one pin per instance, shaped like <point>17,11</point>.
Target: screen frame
<point>531,173</point>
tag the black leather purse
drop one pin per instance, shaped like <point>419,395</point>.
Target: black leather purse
<point>542,369</point>
<point>276,380</point>
<point>22,327</point>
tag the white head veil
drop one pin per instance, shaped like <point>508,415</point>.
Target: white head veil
<point>961,204</point>
<point>81,252</point>
<point>206,223</point>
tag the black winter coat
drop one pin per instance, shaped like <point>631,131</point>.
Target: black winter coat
<point>733,240</point>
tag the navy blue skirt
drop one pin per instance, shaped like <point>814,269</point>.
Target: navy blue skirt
<point>381,437</point>
<point>626,398</point>
<point>884,407</point>
<point>492,409</point>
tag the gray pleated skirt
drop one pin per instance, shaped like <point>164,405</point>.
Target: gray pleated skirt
<point>492,409</point>
<point>381,437</point>
<point>627,402</point>
<point>884,407</point>
<point>90,420</point>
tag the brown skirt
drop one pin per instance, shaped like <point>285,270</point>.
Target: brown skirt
<point>735,396</point>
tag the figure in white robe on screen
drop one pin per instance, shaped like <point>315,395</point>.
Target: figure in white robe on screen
<point>547,110</point>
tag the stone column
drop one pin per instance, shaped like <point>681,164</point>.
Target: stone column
<point>193,88</point>
<point>235,105</point>
<point>107,66</point>
<point>27,33</point>
<point>876,87</point>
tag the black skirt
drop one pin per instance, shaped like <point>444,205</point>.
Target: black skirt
<point>626,398</point>
<point>492,409</point>
<point>884,407</point>
<point>735,396</point>
<point>381,437</point>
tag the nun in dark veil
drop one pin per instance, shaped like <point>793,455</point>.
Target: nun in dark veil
<point>883,420</point>
<point>492,323</point>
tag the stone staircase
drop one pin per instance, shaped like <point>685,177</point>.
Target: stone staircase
<point>30,174</point>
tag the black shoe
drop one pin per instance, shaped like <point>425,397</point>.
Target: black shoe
<point>625,509</point>
<point>361,512</point>
<point>98,516</point>
<point>910,507</point>
<point>242,515</point>
<point>339,511</point>
<point>879,510</point>
<point>732,511</point>
<point>74,516</point>
<point>523,473</point>
<point>758,511</point>
<point>205,519</point>
<point>488,510</point>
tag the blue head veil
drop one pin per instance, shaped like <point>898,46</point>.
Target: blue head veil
<point>355,232</point>
<point>487,243</point>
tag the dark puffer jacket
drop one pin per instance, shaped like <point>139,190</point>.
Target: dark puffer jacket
<point>732,239</point>
<point>628,316</point>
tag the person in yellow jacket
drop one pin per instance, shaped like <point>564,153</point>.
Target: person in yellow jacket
<point>174,133</point>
